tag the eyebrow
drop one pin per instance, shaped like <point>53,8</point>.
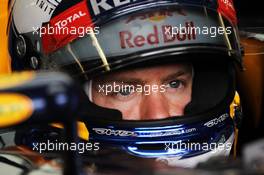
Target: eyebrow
<point>138,81</point>
<point>174,75</point>
<point>131,81</point>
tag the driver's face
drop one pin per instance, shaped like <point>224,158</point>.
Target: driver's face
<point>155,93</point>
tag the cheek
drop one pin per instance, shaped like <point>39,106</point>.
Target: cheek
<point>129,109</point>
<point>182,98</point>
<point>178,101</point>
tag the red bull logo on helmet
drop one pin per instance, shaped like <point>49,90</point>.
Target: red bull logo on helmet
<point>159,35</point>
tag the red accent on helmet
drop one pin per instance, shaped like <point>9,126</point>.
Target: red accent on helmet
<point>61,27</point>
<point>226,8</point>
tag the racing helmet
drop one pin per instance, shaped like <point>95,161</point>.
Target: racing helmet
<point>90,39</point>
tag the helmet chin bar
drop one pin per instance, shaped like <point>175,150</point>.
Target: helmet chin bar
<point>167,138</point>
<point>193,161</point>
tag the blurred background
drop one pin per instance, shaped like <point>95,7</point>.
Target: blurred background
<point>251,81</point>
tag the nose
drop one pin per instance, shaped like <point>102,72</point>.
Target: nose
<point>154,106</point>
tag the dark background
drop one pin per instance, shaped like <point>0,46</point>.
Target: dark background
<point>250,14</point>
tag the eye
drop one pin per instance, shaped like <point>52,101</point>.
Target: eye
<point>125,92</point>
<point>175,84</point>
